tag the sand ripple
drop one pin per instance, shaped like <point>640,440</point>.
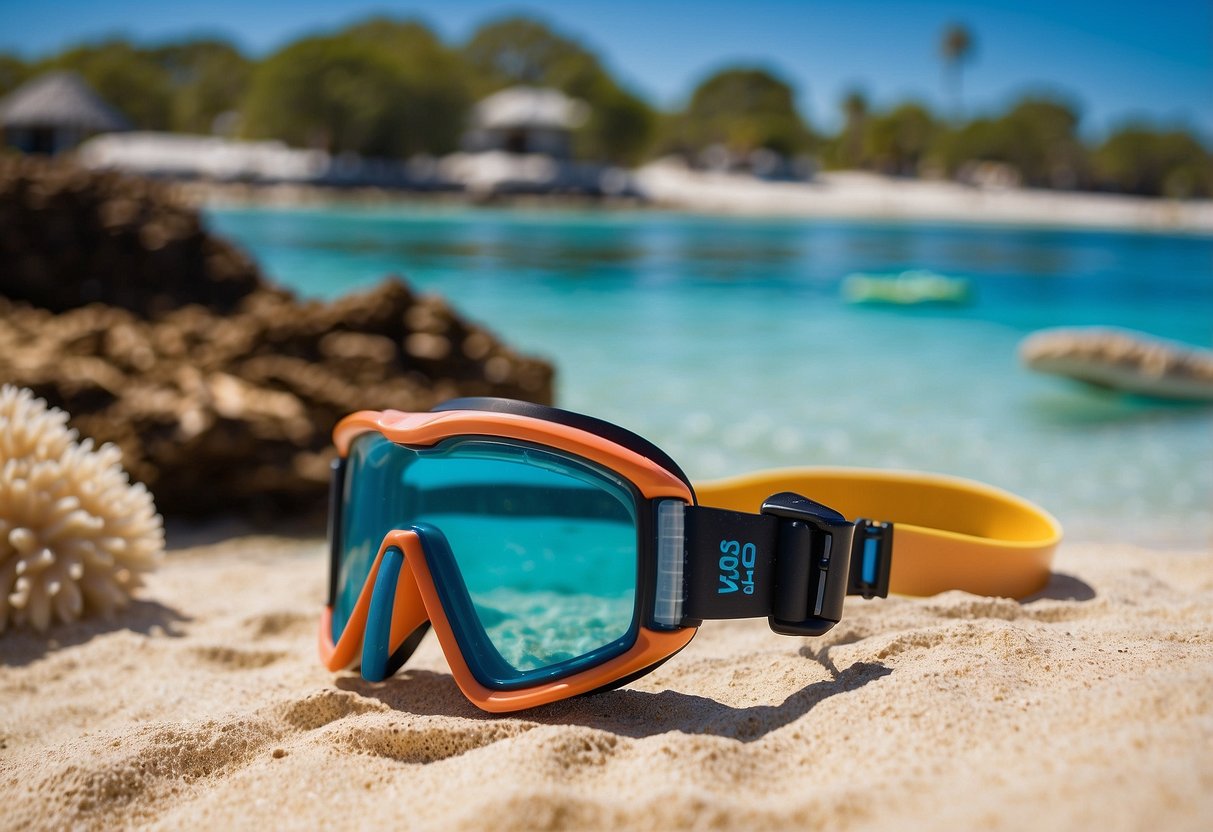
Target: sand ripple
<point>1085,707</point>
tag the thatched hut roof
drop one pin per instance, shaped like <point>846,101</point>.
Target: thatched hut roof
<point>59,99</point>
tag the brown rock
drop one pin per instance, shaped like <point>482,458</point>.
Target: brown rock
<point>221,390</point>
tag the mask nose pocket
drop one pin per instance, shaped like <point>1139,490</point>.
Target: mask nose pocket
<point>396,609</point>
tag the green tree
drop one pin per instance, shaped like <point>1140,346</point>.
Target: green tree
<point>620,129</point>
<point>380,88</point>
<point>1139,160</point>
<point>855,111</point>
<point>128,78</point>
<point>896,142</point>
<point>208,78</point>
<point>1038,136</point>
<point>407,39</point>
<point>439,81</point>
<point>743,109</point>
<point>329,93</point>
<point>521,50</point>
<point>13,72</point>
<point>956,46</point>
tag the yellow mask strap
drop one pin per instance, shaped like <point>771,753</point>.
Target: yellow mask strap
<point>948,532</point>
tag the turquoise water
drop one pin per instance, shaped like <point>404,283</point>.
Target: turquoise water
<point>725,340</point>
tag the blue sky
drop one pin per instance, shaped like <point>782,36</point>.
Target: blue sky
<point>1116,60</point>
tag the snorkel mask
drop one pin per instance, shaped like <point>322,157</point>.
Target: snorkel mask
<point>555,554</point>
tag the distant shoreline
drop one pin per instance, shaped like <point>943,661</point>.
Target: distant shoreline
<point>859,195</point>
<point>844,195</point>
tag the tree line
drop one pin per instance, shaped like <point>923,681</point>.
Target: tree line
<point>393,88</point>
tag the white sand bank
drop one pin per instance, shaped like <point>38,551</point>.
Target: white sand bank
<point>856,195</point>
<point>205,707</point>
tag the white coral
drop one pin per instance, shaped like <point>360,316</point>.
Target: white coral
<point>75,534</point>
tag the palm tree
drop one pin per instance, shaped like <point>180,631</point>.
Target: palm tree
<point>956,48</point>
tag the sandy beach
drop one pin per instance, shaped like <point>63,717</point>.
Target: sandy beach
<point>341,261</point>
<point>859,195</point>
<point>204,707</point>
<point>850,195</point>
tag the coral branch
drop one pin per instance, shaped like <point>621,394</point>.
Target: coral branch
<point>75,535</point>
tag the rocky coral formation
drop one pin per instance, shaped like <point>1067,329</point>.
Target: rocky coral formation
<point>69,236</point>
<point>220,390</point>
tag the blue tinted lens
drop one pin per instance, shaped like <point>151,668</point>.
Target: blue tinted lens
<point>366,508</point>
<point>542,546</point>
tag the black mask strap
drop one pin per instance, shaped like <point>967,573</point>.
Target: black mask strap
<point>793,564</point>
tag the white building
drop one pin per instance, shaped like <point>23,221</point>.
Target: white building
<point>526,120</point>
<point>203,157</point>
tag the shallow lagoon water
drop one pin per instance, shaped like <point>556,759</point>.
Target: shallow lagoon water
<point>726,340</point>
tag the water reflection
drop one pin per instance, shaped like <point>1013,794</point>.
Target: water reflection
<point>666,323</point>
<point>1084,405</point>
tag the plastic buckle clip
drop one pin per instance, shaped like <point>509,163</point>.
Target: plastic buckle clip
<point>812,565</point>
<point>872,559</point>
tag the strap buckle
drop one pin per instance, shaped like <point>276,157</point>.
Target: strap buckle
<point>812,565</point>
<point>872,559</point>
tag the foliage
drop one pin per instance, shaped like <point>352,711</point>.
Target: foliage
<point>13,72</point>
<point>1138,160</point>
<point>391,88</point>
<point>743,109</point>
<point>520,50</point>
<point>208,78</point>
<point>381,88</point>
<point>956,46</point>
<point>621,126</point>
<point>128,78</point>
<point>1037,136</point>
<point>846,150</point>
<point>181,86</point>
<point>896,142</point>
<point>329,93</point>
<point>438,81</point>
